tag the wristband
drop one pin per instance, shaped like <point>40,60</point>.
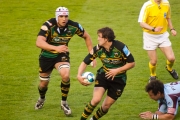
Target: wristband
<point>172,29</point>
<point>153,29</point>
<point>155,117</point>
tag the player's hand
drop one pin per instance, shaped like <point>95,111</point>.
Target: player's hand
<point>111,73</point>
<point>146,115</point>
<point>81,80</point>
<point>62,49</point>
<point>173,32</point>
<point>158,29</point>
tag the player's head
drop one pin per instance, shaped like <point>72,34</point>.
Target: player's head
<point>107,33</point>
<point>155,89</point>
<point>62,14</point>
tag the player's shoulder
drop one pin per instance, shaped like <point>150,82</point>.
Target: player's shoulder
<point>95,49</point>
<point>48,24</point>
<point>51,21</point>
<point>118,43</point>
<point>75,25</point>
<point>72,23</point>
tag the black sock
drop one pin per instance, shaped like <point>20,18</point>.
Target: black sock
<point>65,89</point>
<point>42,92</point>
<point>87,111</point>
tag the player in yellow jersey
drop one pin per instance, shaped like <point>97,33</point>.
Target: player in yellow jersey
<point>155,18</point>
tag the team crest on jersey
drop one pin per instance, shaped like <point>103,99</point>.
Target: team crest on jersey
<point>69,33</point>
<point>165,15</point>
<point>116,54</point>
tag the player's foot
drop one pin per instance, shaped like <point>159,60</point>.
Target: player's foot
<point>173,73</point>
<point>152,78</point>
<point>39,104</point>
<point>65,108</point>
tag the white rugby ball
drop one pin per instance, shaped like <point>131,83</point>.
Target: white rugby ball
<point>88,77</point>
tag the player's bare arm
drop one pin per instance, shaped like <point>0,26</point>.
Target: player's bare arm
<point>81,69</point>
<point>148,27</point>
<point>89,45</point>
<point>172,29</point>
<point>158,115</point>
<point>41,43</point>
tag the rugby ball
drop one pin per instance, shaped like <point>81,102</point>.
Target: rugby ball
<point>88,77</point>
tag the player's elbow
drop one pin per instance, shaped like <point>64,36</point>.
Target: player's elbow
<point>38,44</point>
<point>133,64</point>
<point>141,24</point>
<point>40,40</point>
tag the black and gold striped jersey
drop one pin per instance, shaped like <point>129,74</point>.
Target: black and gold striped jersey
<point>59,36</point>
<point>117,56</point>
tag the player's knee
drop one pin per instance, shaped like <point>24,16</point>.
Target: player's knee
<point>64,72</point>
<point>44,81</point>
<point>153,62</point>
<point>171,59</point>
<point>95,102</point>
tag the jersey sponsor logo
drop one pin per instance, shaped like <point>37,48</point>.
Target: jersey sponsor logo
<point>112,61</point>
<point>126,51</point>
<point>60,40</point>
<point>80,27</point>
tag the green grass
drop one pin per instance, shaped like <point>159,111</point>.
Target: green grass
<point>20,22</point>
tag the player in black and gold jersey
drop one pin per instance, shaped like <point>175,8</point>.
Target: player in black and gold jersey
<point>111,77</point>
<point>53,39</point>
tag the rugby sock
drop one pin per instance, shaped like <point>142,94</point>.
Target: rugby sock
<point>65,89</point>
<point>42,91</point>
<point>87,111</point>
<point>169,65</point>
<point>99,113</point>
<point>152,69</point>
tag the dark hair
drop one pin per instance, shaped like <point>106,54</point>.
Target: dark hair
<point>107,33</point>
<point>156,86</point>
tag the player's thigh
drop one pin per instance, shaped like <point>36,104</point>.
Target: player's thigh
<point>98,93</point>
<point>116,88</point>
<point>152,56</point>
<point>168,52</point>
<point>108,101</point>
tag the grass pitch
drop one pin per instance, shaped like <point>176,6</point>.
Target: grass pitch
<point>20,22</point>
